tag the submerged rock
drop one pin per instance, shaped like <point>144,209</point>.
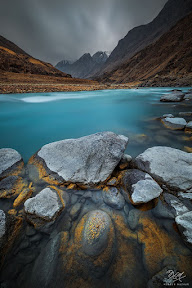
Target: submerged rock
<point>9,158</point>
<point>175,96</point>
<point>189,126</point>
<point>46,206</point>
<point>174,123</point>
<point>167,165</point>
<point>96,232</point>
<point>185,113</point>
<point>90,159</point>
<point>184,223</point>
<point>113,197</point>
<point>2,223</point>
<point>141,186</point>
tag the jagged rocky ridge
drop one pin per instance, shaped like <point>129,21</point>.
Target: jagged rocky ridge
<point>167,62</point>
<point>142,36</point>
<point>94,217</point>
<point>85,67</point>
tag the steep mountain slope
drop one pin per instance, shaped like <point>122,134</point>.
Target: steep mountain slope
<point>14,59</point>
<point>166,62</point>
<point>85,66</point>
<point>11,46</point>
<point>142,36</point>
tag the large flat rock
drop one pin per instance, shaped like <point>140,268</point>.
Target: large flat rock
<point>89,159</point>
<point>169,166</point>
<point>8,158</point>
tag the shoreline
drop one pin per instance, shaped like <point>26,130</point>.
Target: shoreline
<point>11,88</point>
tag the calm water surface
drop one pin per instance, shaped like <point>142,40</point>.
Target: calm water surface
<point>28,121</point>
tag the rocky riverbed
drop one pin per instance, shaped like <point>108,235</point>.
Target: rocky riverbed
<point>82,213</point>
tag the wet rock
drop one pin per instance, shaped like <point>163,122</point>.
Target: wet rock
<point>113,197</point>
<point>87,160</point>
<point>133,218</point>
<point>24,195</point>
<point>162,211</point>
<point>168,115</point>
<point>176,206</point>
<point>9,159</point>
<point>7,186</point>
<point>185,114</point>
<point>96,232</point>
<point>189,126</point>
<point>175,96</point>
<point>44,271</point>
<point>75,211</point>
<point>185,195</point>
<point>141,187</point>
<point>2,223</point>
<point>188,96</point>
<point>30,231</point>
<point>112,182</point>
<point>174,123</point>
<point>125,161</point>
<point>45,206</point>
<point>184,223</point>
<point>166,165</point>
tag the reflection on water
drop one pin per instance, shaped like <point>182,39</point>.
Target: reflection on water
<point>28,121</point>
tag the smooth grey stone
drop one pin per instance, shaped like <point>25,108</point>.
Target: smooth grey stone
<point>75,211</point>
<point>185,195</point>
<point>168,115</point>
<point>166,165</point>
<point>30,231</point>
<point>8,157</point>
<point>184,223</point>
<point>90,159</point>
<point>189,125</point>
<point>45,205</point>
<point>141,186</point>
<point>113,198</point>
<point>133,218</point>
<point>175,123</point>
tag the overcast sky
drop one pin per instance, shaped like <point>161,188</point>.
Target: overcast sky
<point>53,30</point>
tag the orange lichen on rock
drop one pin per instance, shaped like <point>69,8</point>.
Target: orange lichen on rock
<point>71,186</point>
<point>42,171</point>
<point>157,244</point>
<point>59,192</point>
<point>12,212</point>
<point>17,188</point>
<point>24,195</point>
<point>188,149</point>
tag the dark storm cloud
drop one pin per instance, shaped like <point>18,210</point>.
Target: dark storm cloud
<point>52,30</point>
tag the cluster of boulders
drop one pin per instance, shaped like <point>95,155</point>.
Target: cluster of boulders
<point>176,96</point>
<point>84,193</point>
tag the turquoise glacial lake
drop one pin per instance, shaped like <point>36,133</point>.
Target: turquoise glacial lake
<point>29,121</point>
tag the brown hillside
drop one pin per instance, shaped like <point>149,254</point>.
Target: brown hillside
<point>14,59</point>
<point>167,62</point>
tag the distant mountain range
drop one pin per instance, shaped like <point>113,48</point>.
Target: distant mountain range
<point>86,66</point>
<point>144,35</point>
<point>14,59</point>
<point>167,62</point>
